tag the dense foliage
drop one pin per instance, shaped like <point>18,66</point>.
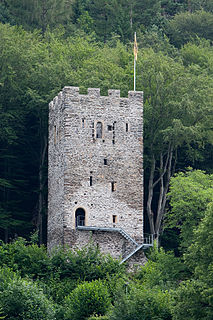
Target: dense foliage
<point>88,285</point>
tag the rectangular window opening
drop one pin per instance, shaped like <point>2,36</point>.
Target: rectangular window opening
<point>127,127</point>
<point>105,162</point>
<point>90,181</point>
<point>114,219</point>
<point>82,121</point>
<point>109,128</point>
<point>113,186</point>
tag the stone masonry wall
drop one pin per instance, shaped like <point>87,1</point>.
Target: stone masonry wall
<point>103,175</point>
<point>55,173</point>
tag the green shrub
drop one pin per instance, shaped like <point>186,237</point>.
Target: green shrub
<point>6,275</point>
<point>140,303</point>
<point>22,299</point>
<point>1,316</point>
<point>86,265</point>
<point>162,270</point>
<point>62,271</point>
<point>193,300</point>
<point>30,260</point>
<point>58,288</point>
<point>98,318</point>
<point>89,298</point>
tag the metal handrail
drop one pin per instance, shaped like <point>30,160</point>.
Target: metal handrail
<point>120,230</point>
<point>147,241</point>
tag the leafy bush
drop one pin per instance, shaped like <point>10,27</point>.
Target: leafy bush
<point>87,264</point>
<point>30,260</point>
<point>1,316</point>
<point>191,301</point>
<point>190,193</point>
<point>58,288</point>
<point>62,271</point>
<point>89,298</point>
<point>141,303</point>
<point>162,269</point>
<point>98,318</point>
<point>22,299</point>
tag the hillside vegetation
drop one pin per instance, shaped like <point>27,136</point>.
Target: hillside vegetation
<point>48,44</point>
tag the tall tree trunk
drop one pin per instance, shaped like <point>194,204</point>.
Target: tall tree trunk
<point>150,198</point>
<point>163,194</point>
<point>165,171</point>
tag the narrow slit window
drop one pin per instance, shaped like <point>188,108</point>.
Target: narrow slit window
<point>55,135</point>
<point>114,219</point>
<point>113,141</point>
<point>99,130</point>
<point>83,123</point>
<point>90,181</point>
<point>127,127</point>
<point>105,162</point>
<point>113,186</point>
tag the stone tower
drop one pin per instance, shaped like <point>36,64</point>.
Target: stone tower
<point>95,172</point>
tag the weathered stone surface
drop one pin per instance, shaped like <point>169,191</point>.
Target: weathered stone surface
<point>99,172</point>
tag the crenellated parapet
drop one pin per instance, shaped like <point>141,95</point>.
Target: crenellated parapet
<point>72,94</point>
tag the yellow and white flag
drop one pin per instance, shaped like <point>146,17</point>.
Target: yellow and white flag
<point>135,48</point>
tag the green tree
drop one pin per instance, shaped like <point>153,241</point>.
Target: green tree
<point>190,302</point>
<point>40,13</point>
<point>14,70</point>
<point>162,270</point>
<point>187,26</point>
<point>177,103</point>
<point>190,193</point>
<point>206,5</point>
<point>199,256</point>
<point>146,13</point>
<point>170,7</point>
<point>5,15</point>
<point>108,18</point>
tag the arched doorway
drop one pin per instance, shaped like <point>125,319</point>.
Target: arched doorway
<point>80,217</point>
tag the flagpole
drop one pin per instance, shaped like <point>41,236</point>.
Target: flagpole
<point>134,74</point>
<point>135,59</point>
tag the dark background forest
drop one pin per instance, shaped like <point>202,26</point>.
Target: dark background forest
<point>48,44</point>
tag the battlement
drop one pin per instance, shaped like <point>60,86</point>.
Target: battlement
<point>72,93</point>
